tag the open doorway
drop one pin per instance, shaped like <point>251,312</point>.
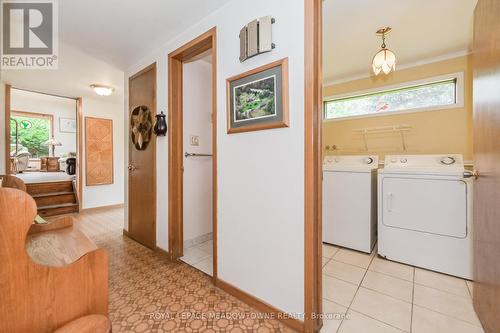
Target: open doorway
<point>398,155</point>
<point>197,194</point>
<point>193,154</point>
<point>43,148</point>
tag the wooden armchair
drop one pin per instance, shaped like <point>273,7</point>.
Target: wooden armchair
<point>52,277</point>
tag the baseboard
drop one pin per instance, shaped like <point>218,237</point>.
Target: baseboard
<point>260,305</point>
<point>95,209</point>
<point>198,240</point>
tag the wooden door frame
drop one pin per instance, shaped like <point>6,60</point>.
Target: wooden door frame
<point>313,119</point>
<point>8,89</point>
<point>155,103</point>
<point>79,119</point>
<point>203,43</point>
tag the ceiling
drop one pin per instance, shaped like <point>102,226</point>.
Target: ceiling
<point>99,40</point>
<point>76,72</point>
<point>422,30</point>
<point>123,31</point>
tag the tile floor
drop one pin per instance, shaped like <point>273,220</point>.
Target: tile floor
<point>365,293</point>
<point>200,257</point>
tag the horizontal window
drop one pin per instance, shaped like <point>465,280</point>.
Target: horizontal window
<point>412,97</point>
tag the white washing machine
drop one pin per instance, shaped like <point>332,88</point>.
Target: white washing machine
<point>350,201</point>
<point>425,213</point>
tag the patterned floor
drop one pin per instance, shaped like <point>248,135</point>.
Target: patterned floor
<point>150,294</point>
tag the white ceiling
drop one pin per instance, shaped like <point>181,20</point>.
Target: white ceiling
<point>76,72</point>
<point>100,39</point>
<point>422,29</point>
<point>123,31</point>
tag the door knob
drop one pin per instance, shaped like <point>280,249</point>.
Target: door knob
<point>131,167</point>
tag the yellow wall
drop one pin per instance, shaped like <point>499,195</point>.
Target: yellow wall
<point>433,132</point>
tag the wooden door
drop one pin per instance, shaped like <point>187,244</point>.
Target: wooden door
<point>142,157</point>
<point>486,52</point>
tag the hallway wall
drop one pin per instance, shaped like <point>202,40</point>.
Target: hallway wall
<point>260,174</point>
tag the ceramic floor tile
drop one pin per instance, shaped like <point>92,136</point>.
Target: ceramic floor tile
<point>338,291</point>
<point>384,308</point>
<point>333,315</point>
<point>342,271</point>
<point>194,255</point>
<point>389,285</point>
<point>359,323</point>
<point>470,287</point>
<point>206,266</point>
<point>427,321</point>
<point>392,268</point>
<point>206,247</point>
<point>448,304</point>
<point>352,257</point>
<point>442,282</point>
<point>324,261</point>
<point>329,250</point>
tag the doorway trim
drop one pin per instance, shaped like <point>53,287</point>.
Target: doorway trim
<point>79,119</point>
<point>313,97</point>
<point>205,42</point>
<point>8,89</point>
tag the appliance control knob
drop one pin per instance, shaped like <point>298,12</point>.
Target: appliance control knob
<point>394,160</point>
<point>337,160</point>
<point>404,160</point>
<point>448,160</point>
<point>368,160</point>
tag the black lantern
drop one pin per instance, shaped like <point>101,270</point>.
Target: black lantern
<point>160,128</point>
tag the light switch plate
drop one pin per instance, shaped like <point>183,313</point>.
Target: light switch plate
<point>195,140</point>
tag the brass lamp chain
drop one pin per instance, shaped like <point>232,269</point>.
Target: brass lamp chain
<point>383,41</point>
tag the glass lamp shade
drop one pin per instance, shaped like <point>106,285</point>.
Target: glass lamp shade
<point>384,61</point>
<point>53,142</point>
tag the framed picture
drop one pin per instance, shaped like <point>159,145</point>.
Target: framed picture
<point>67,125</point>
<point>258,99</point>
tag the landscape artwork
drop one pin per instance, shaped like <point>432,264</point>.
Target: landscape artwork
<point>256,99</point>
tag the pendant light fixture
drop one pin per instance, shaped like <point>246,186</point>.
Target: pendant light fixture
<point>385,60</point>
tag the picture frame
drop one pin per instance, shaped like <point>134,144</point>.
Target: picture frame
<point>258,99</point>
<point>67,125</point>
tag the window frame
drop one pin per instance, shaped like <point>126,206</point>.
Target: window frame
<point>459,97</point>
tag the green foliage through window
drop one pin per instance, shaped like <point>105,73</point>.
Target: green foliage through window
<point>442,93</point>
<point>31,138</point>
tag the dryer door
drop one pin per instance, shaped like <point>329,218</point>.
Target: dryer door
<point>436,206</point>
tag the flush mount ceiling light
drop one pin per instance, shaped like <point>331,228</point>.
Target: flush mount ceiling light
<point>385,60</point>
<point>102,90</point>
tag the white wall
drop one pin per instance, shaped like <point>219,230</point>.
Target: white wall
<point>58,107</point>
<point>260,174</point>
<point>197,111</point>
<point>113,194</point>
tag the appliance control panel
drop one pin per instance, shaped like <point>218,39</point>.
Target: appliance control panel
<point>352,160</point>
<point>424,161</point>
